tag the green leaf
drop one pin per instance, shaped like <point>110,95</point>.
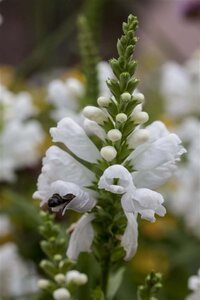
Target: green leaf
<point>114,282</point>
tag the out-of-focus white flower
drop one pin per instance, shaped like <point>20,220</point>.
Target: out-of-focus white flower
<point>181,87</point>
<point>17,278</point>
<point>65,95</point>
<point>61,294</point>
<point>19,137</point>
<point>5,225</point>
<point>185,199</point>
<point>194,285</point>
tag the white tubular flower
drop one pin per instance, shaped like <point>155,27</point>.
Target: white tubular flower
<point>61,294</point>
<point>117,179</point>
<point>57,179</point>
<point>92,128</point>
<point>155,160</point>
<point>108,153</point>
<point>94,113</point>
<point>76,277</point>
<point>121,174</point>
<point>114,135</point>
<point>71,134</point>
<point>138,137</point>
<point>81,237</point>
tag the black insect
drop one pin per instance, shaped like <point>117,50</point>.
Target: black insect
<point>57,200</point>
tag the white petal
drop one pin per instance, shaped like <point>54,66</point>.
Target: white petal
<point>130,237</point>
<point>75,139</point>
<point>83,201</point>
<point>116,172</point>
<point>194,296</point>
<point>154,178</point>
<point>148,203</point>
<point>157,130</point>
<point>81,238</point>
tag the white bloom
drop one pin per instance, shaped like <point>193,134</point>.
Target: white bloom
<point>138,137</point>
<point>103,101</point>
<point>181,87</point>
<point>194,296</point>
<point>121,118</point>
<point>126,97</point>
<point>61,294</point>
<point>81,237</point>
<point>59,278</point>
<point>118,180</point>
<point>16,277</point>
<point>76,277</point>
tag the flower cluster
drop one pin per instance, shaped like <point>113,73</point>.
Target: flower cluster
<point>66,95</point>
<point>19,137</point>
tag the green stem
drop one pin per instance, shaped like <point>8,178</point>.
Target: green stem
<point>105,273</point>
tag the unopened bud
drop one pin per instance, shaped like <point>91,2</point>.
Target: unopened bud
<point>126,97</point>
<point>138,137</point>
<point>59,278</point>
<point>114,135</point>
<point>108,153</point>
<point>121,118</point>
<point>95,114</point>
<point>43,284</point>
<point>139,97</point>
<point>61,294</point>
<point>103,101</point>
<point>76,277</point>
<point>140,117</point>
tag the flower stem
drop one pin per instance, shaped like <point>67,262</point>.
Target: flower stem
<point>105,273</point>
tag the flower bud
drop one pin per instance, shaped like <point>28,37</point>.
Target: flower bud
<point>114,135</point>
<point>140,117</point>
<point>121,118</point>
<point>103,101</point>
<point>76,277</point>
<point>126,97</point>
<point>61,294</point>
<point>139,97</point>
<point>108,153</point>
<point>95,114</point>
<point>138,137</point>
<point>43,284</point>
<point>59,278</point>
